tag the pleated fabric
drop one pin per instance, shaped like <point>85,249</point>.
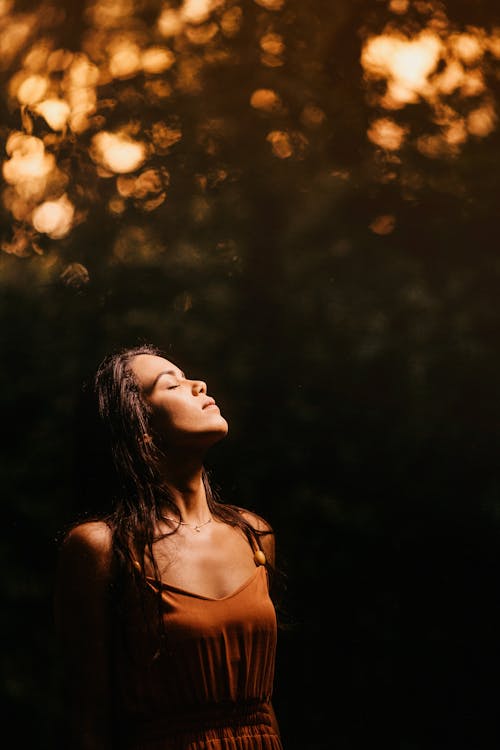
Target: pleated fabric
<point>207,683</point>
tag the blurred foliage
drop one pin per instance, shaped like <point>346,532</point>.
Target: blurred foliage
<point>298,201</point>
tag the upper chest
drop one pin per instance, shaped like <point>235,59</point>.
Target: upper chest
<point>211,563</point>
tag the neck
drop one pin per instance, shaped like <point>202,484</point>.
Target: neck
<point>184,480</point>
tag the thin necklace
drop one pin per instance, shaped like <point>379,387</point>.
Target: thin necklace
<point>196,527</point>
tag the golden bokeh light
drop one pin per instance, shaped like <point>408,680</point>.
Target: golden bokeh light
<point>450,79</point>
<point>271,4</point>
<point>54,218</point>
<point>202,34</point>
<point>273,48</point>
<point>164,137</point>
<point>83,103</point>
<point>106,13</point>
<point>312,116</point>
<point>455,132</point>
<point>191,14</point>
<point>434,146</point>
<point>266,100</point>
<point>59,60</point>
<point>5,7</point>
<point>431,66</point>
<point>32,89</point>
<point>82,72</point>
<point>35,60</point>
<point>15,31</point>
<point>124,58</point>
<point>197,11</point>
<point>272,43</point>
<point>493,43</point>
<point>482,121</point>
<point>147,188</point>
<point>404,63</point>
<point>170,23</point>
<point>387,134</point>
<point>156,60</point>
<point>117,152</point>
<point>399,6</point>
<point>29,165</point>
<point>113,106</point>
<point>281,143</point>
<point>231,21</point>
<point>383,224</point>
<point>468,47</point>
<point>56,112</point>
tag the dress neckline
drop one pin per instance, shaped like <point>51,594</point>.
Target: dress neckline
<point>184,592</point>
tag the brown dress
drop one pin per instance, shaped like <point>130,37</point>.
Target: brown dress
<point>209,685</point>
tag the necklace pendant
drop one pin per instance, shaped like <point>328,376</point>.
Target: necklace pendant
<point>197,528</point>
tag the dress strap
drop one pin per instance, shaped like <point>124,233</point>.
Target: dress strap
<point>258,553</point>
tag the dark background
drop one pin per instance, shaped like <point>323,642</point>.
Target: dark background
<point>358,370</point>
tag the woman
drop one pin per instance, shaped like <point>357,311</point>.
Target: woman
<point>163,606</point>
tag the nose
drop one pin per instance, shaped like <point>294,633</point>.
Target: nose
<point>199,386</point>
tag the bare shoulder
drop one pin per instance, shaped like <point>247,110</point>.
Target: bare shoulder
<point>258,522</point>
<point>265,533</point>
<point>88,546</point>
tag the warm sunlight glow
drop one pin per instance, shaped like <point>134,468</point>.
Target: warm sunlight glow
<point>202,34</point>
<point>387,134</point>
<point>456,132</point>
<point>467,47</point>
<point>5,7</point>
<point>82,72</point>
<point>197,11</point>
<point>54,218</point>
<point>281,144</point>
<point>231,21</point>
<point>312,116</point>
<point>405,64</point>
<point>55,111</point>
<point>481,122</point>
<point>157,59</point>
<point>29,164</point>
<point>272,43</point>
<point>493,43</point>
<point>170,23</point>
<point>266,100</point>
<point>106,13</point>
<point>383,224</point>
<point>117,152</point>
<point>271,4</point>
<point>174,21</point>
<point>32,89</point>
<point>450,79</point>
<point>399,6</point>
<point>14,33</point>
<point>164,137</point>
<point>125,59</point>
<point>441,68</point>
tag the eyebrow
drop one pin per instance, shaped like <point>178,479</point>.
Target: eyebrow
<point>165,372</point>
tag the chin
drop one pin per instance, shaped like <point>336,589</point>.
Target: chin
<point>221,431</point>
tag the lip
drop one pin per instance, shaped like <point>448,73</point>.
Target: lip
<point>209,402</point>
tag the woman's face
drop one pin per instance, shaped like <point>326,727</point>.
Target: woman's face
<point>182,412</point>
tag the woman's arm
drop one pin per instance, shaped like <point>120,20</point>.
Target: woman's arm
<point>84,627</point>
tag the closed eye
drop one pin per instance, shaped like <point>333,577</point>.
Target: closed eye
<point>172,386</point>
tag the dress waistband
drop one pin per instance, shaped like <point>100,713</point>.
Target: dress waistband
<point>214,716</point>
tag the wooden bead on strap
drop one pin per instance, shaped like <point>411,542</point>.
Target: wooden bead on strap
<point>259,557</point>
